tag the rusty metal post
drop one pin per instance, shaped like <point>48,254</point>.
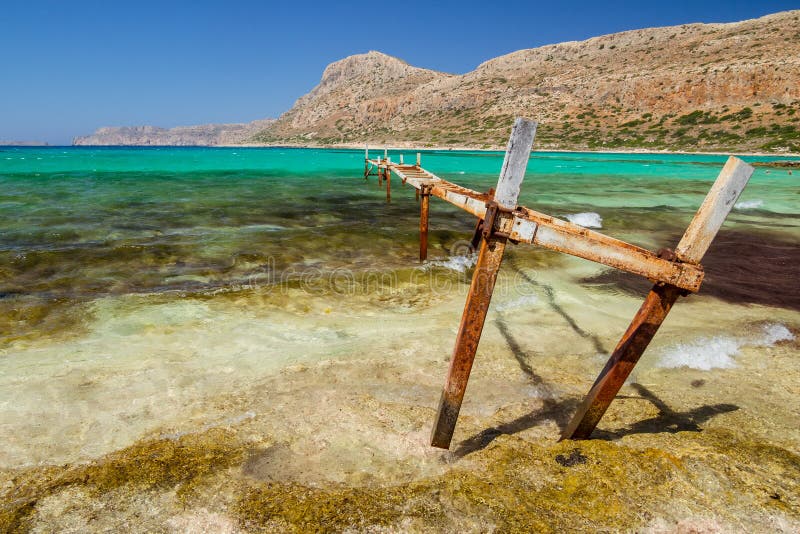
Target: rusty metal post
<point>482,286</point>
<point>425,197</point>
<point>388,186</point>
<point>693,245</point>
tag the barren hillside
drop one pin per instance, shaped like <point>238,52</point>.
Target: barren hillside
<point>691,87</point>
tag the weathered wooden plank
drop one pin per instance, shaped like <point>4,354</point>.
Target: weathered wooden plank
<point>516,161</point>
<point>481,288</point>
<point>714,210</point>
<point>659,301</point>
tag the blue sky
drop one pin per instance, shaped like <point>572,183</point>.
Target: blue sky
<point>69,67</point>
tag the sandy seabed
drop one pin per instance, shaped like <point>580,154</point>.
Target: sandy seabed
<point>287,411</point>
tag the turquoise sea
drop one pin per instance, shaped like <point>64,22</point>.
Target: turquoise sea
<point>79,223</point>
<point>190,336</point>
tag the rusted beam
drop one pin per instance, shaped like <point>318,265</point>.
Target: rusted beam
<point>425,196</point>
<point>659,301</point>
<point>482,286</point>
<point>555,234</point>
<point>562,236</point>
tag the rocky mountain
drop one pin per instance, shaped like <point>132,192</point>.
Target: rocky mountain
<point>692,87</point>
<point>205,135</point>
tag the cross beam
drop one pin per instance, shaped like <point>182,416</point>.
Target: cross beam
<point>502,220</point>
<point>528,226</point>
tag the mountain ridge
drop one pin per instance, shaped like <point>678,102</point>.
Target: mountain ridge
<point>692,87</point>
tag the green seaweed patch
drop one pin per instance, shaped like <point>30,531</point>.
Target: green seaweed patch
<point>159,465</point>
<point>512,485</point>
<point>30,318</point>
<point>166,463</point>
<point>521,486</point>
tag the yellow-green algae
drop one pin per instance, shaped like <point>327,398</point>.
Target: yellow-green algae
<point>154,465</point>
<point>513,485</point>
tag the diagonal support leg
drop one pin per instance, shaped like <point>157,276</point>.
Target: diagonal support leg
<point>691,249</point>
<point>482,286</point>
<point>630,348</point>
<point>469,335</point>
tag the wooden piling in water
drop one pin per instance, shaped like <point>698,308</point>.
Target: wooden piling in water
<point>490,257</point>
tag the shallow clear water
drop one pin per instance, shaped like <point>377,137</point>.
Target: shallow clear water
<point>79,222</point>
<point>155,289</point>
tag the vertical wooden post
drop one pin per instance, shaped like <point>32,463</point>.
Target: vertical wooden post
<point>385,153</point>
<point>401,159</point>
<point>425,197</point>
<point>482,286</point>
<point>366,162</point>
<point>419,159</point>
<point>693,245</point>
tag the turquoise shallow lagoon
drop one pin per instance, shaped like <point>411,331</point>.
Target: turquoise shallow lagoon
<point>267,304</point>
<point>78,222</point>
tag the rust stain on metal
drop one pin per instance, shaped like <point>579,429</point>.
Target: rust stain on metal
<point>630,348</point>
<point>425,196</point>
<point>467,339</point>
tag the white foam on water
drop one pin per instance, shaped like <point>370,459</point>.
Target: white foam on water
<point>525,301</point>
<point>748,204</point>
<point>703,353</point>
<point>456,263</point>
<point>588,219</point>
<point>774,333</point>
<point>718,352</point>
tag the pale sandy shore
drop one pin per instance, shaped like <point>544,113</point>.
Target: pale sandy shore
<point>262,412</point>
